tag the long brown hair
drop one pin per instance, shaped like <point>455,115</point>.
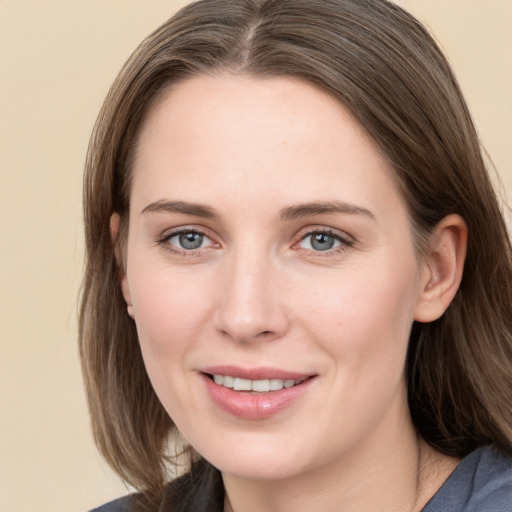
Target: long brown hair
<point>383,65</point>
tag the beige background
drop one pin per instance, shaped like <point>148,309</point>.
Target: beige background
<point>57,59</point>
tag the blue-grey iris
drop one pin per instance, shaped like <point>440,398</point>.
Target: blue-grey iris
<point>191,240</point>
<point>322,242</point>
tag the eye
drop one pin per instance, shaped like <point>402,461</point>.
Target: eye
<point>188,240</point>
<point>322,241</point>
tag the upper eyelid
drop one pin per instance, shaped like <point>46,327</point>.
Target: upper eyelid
<point>343,235</point>
<point>170,232</point>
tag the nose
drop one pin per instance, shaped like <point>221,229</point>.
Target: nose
<point>251,305</point>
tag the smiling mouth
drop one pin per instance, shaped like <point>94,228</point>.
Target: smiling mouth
<point>254,386</point>
<point>245,392</point>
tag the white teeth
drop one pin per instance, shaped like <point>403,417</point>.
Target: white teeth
<point>228,381</point>
<point>242,385</point>
<point>276,384</point>
<point>258,386</point>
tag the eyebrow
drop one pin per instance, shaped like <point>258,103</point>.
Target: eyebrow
<point>288,213</point>
<point>195,209</point>
<point>310,209</point>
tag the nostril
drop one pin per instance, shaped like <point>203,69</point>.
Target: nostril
<point>265,335</point>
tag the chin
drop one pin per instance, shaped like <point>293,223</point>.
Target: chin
<point>259,470</point>
<point>256,461</point>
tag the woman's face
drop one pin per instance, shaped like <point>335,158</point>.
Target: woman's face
<point>269,249</point>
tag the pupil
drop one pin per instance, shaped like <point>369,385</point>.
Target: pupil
<point>191,240</point>
<point>322,242</point>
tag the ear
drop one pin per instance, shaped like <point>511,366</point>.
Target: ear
<point>442,270</point>
<point>115,220</point>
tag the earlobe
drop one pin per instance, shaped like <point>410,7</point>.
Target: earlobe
<point>115,220</point>
<point>443,268</point>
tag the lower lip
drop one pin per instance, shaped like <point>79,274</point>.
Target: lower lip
<point>254,406</point>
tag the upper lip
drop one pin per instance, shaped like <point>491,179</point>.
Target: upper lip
<point>256,373</point>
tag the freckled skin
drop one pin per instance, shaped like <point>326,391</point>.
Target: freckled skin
<point>256,293</point>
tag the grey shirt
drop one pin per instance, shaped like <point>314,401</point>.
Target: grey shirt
<point>482,482</point>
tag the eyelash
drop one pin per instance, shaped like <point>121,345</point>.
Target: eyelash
<point>344,241</point>
<point>165,242</point>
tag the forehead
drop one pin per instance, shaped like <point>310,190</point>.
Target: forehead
<point>244,136</point>
<point>247,104</point>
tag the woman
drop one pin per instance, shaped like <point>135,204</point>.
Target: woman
<point>298,281</point>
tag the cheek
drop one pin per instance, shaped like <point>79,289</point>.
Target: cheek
<point>365,317</point>
<point>363,324</point>
<point>170,309</point>
<point>171,314</point>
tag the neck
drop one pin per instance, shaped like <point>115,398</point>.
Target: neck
<point>399,472</point>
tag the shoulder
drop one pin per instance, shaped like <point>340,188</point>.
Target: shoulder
<point>492,482</point>
<point>481,481</point>
<point>198,490</point>
<point>124,504</point>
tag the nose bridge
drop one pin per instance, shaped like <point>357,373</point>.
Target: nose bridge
<point>250,307</point>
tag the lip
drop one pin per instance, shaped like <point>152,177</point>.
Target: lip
<point>255,406</point>
<point>259,373</point>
